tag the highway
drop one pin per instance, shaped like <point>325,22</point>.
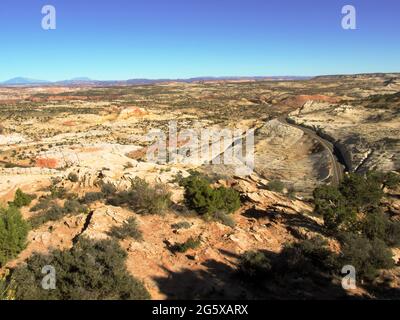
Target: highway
<point>337,168</point>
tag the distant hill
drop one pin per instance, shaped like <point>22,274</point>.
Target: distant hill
<point>20,81</point>
<point>77,81</point>
<point>23,81</point>
<point>358,76</point>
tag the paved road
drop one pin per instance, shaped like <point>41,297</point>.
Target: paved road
<point>337,172</point>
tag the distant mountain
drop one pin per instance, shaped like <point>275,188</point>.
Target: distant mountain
<point>81,79</point>
<point>77,81</point>
<point>199,79</point>
<point>20,81</point>
<point>23,81</point>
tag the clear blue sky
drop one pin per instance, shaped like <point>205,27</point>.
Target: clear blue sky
<point>122,39</point>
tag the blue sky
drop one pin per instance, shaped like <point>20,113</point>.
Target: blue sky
<point>123,39</point>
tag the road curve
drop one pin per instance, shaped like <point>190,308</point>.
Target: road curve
<point>337,168</point>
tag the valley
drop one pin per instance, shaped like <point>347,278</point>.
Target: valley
<point>92,142</point>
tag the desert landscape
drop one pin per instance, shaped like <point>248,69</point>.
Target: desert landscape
<point>74,163</point>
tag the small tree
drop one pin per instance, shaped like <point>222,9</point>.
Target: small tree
<point>13,233</point>
<point>332,206</point>
<point>374,225</point>
<point>204,199</point>
<point>361,191</point>
<point>21,199</point>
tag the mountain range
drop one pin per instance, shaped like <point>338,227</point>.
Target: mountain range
<point>22,81</point>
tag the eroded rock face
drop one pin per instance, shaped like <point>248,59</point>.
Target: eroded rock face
<point>367,138</point>
<point>132,112</point>
<point>11,139</point>
<point>286,153</point>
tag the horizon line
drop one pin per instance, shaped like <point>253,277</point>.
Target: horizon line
<point>84,78</point>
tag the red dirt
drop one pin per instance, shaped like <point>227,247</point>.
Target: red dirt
<point>69,123</point>
<point>50,163</point>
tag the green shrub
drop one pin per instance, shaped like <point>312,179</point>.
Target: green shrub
<point>229,200</point>
<point>74,206</point>
<point>42,204</point>
<point>391,180</point>
<point>392,234</point>
<point>254,265</point>
<point>126,230</point>
<point>374,225</point>
<point>91,197</point>
<point>276,186</point>
<point>352,210</point>
<point>119,199</point>
<point>73,177</point>
<point>307,257</point>
<point>191,243</point>
<point>21,199</point>
<point>91,270</point>
<point>143,198</point>
<point>58,192</point>
<point>55,212</point>
<point>356,193</point>
<point>199,196</point>
<point>149,200</point>
<point>333,207</point>
<point>388,180</point>
<point>181,225</point>
<point>367,256</point>
<point>108,189</point>
<point>13,233</point>
<point>361,191</point>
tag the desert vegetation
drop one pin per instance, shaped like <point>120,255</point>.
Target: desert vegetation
<point>13,233</point>
<point>118,226</point>
<point>211,203</point>
<point>99,274</point>
<point>143,198</point>
<point>352,215</point>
